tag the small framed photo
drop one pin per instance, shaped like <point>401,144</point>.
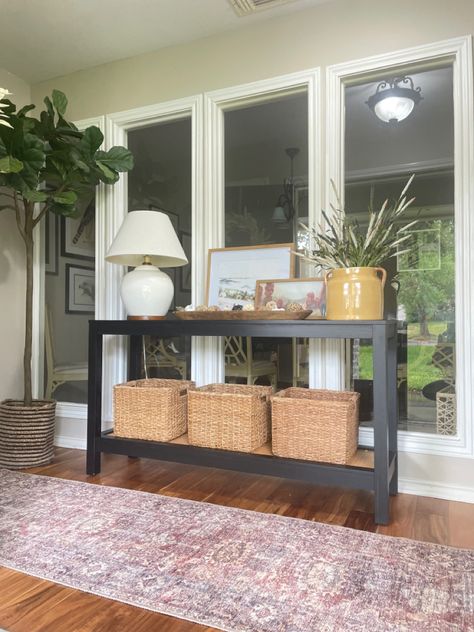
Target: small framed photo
<point>51,244</point>
<point>78,236</point>
<point>232,273</point>
<point>310,293</point>
<point>80,289</point>
<point>185,271</point>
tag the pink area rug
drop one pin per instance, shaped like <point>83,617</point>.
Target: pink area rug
<point>228,568</point>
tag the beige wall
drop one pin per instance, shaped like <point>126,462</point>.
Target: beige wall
<point>12,277</point>
<point>335,32</point>
<point>331,33</point>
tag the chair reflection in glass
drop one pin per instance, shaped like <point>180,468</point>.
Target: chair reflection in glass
<point>239,362</point>
<point>238,354</point>
<point>58,374</point>
<point>162,354</point>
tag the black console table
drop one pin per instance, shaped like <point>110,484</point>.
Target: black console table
<point>380,476</point>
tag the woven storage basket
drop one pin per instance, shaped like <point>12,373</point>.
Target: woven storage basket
<point>152,409</point>
<point>317,425</point>
<point>229,416</point>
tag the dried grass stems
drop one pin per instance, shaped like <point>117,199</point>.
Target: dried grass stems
<point>342,243</point>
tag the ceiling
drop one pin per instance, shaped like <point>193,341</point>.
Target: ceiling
<point>43,39</point>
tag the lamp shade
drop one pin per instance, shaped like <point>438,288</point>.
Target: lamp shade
<point>147,233</point>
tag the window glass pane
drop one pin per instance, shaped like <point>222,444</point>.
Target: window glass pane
<point>266,180</point>
<point>69,256</point>
<point>161,181</point>
<point>380,157</point>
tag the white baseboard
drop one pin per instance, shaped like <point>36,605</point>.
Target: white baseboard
<point>63,441</point>
<point>435,489</point>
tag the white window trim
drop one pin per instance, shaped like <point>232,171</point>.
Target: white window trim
<point>245,95</point>
<point>459,52</point>
<point>117,126</point>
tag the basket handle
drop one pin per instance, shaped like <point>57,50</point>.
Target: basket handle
<point>384,275</point>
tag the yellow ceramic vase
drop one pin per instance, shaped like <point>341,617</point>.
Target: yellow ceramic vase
<point>355,293</point>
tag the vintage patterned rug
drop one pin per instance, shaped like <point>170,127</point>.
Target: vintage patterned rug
<point>228,568</point>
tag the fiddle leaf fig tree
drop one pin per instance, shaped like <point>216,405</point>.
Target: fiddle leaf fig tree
<point>48,165</point>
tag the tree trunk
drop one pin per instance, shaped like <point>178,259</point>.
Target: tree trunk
<point>28,394</point>
<point>424,330</point>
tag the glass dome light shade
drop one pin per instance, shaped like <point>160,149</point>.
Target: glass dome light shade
<point>394,108</point>
<point>279,215</point>
<point>394,99</point>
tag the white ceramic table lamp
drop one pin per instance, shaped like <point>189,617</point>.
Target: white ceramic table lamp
<point>148,241</point>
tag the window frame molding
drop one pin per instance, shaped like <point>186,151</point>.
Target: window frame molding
<point>118,124</point>
<point>457,51</point>
<point>216,103</point>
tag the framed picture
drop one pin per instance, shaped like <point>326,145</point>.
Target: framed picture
<point>232,273</point>
<point>78,236</point>
<point>80,289</point>
<point>185,271</point>
<point>51,244</point>
<point>311,293</point>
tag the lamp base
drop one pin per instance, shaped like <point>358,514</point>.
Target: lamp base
<point>146,317</point>
<point>147,293</point>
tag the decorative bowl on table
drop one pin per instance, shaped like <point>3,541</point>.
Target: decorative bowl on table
<point>255,314</point>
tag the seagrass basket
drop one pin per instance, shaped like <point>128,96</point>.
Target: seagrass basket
<point>154,409</point>
<point>316,425</point>
<point>229,416</point>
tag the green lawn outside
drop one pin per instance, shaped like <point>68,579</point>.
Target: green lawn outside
<point>435,328</point>
<point>420,369</point>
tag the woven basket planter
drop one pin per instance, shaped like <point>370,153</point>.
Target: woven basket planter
<point>153,409</point>
<point>26,433</point>
<point>316,425</point>
<point>229,416</point>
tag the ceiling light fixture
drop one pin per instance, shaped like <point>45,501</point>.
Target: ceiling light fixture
<point>394,99</point>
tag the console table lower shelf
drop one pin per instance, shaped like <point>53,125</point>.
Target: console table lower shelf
<point>358,474</point>
<point>376,471</point>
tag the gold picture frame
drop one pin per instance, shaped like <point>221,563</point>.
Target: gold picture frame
<point>232,273</point>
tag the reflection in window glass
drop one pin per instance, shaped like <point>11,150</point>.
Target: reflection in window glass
<point>266,183</point>
<point>161,181</point>
<point>69,257</point>
<point>379,159</point>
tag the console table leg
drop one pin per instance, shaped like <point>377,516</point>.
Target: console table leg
<point>393,410</point>
<point>94,408</point>
<point>381,427</point>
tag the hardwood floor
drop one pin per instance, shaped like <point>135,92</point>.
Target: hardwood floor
<point>32,605</point>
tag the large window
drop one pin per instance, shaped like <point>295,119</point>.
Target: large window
<point>69,259</point>
<point>420,292</point>
<point>161,181</point>
<point>266,184</point>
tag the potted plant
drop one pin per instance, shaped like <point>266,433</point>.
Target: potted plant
<point>47,165</point>
<point>353,257</point>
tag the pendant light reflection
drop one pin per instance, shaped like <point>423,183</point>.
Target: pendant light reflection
<point>284,210</point>
<point>394,99</point>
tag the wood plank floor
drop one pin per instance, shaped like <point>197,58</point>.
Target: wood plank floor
<point>32,605</point>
